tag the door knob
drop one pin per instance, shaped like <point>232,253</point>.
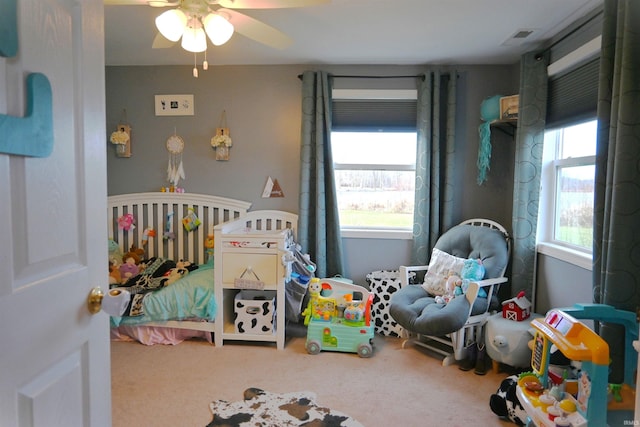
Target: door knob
<point>114,305</point>
<point>94,300</point>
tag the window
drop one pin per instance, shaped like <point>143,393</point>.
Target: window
<point>375,179</point>
<point>373,141</point>
<point>566,216</point>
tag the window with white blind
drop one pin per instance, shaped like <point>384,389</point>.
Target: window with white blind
<point>373,142</point>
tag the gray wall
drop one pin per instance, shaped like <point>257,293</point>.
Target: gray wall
<point>262,105</point>
<point>561,284</point>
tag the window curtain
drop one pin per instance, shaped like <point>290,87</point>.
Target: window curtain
<point>318,222</point>
<point>527,170</point>
<point>436,114</point>
<point>616,246</point>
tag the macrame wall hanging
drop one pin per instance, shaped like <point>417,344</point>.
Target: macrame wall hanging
<point>175,168</point>
<point>221,142</point>
<point>489,111</point>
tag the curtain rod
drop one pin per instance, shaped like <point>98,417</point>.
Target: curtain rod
<point>372,77</point>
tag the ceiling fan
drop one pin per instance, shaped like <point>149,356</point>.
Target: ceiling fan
<point>194,20</point>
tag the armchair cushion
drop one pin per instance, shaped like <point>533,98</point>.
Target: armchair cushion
<point>416,310</point>
<point>468,241</point>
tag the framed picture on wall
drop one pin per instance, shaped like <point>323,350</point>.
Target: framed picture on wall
<point>174,105</point>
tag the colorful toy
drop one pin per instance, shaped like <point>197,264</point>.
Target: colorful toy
<point>518,308</point>
<point>126,222</point>
<point>338,318</point>
<point>583,401</point>
<point>472,270</point>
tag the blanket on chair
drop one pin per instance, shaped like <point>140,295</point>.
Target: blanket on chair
<point>266,409</point>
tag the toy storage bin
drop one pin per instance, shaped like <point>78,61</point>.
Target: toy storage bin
<point>383,283</point>
<point>254,312</point>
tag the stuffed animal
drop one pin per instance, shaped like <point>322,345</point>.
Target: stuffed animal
<point>456,285</point>
<point>472,270</point>
<point>114,274</point>
<point>181,269</point>
<point>129,268</point>
<point>505,403</point>
<point>453,288</point>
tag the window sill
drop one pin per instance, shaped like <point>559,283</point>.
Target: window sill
<point>362,233</point>
<point>577,258</point>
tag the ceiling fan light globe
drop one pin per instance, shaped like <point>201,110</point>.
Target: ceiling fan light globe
<point>171,24</point>
<point>194,40</point>
<point>218,28</point>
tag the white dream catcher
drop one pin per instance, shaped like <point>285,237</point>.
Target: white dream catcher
<point>175,169</point>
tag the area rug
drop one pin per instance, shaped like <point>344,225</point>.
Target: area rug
<point>264,409</point>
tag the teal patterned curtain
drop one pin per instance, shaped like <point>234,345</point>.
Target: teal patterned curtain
<point>318,222</point>
<point>528,167</point>
<point>436,111</point>
<point>616,243</point>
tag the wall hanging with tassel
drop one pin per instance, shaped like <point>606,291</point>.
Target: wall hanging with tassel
<point>175,168</point>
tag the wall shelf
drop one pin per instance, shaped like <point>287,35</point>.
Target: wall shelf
<point>507,126</point>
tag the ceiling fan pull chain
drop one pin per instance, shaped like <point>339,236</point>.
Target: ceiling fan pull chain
<point>205,64</point>
<point>195,67</point>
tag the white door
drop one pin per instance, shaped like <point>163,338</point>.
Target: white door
<point>54,355</point>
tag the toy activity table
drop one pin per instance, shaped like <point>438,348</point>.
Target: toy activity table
<point>586,402</point>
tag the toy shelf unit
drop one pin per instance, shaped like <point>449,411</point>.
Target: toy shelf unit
<point>583,401</point>
<point>250,276</point>
<point>338,318</point>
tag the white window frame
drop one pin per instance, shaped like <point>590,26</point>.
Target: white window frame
<point>375,232</point>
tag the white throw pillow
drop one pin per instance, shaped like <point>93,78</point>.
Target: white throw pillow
<point>441,266</point>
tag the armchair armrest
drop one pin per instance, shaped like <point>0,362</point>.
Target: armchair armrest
<point>406,270</point>
<point>488,284</point>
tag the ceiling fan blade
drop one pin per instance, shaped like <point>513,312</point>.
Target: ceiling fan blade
<point>256,30</point>
<point>152,3</point>
<point>161,42</point>
<point>269,4</point>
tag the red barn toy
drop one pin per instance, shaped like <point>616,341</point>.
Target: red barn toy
<point>518,308</point>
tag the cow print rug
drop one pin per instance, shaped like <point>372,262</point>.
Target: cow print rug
<point>261,408</point>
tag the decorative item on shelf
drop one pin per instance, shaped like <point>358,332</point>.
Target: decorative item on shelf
<point>221,142</point>
<point>121,138</point>
<point>509,106</point>
<point>175,168</point>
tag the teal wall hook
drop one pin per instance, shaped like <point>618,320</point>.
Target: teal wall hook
<point>8,28</point>
<point>31,135</point>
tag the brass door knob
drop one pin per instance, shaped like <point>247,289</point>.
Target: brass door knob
<point>94,300</point>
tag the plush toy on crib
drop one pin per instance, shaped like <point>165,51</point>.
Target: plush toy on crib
<point>114,274</point>
<point>181,269</point>
<point>129,268</point>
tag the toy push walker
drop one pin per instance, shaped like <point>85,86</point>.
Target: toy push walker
<point>338,318</point>
<point>586,404</point>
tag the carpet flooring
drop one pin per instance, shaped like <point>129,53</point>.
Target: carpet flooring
<point>175,385</point>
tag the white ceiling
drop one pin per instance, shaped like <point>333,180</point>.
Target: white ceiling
<point>356,32</point>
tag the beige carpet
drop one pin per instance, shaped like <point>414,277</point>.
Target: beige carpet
<point>174,385</point>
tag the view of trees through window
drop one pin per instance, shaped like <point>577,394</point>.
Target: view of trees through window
<point>375,178</point>
<point>575,173</point>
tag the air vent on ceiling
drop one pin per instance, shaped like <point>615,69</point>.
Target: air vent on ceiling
<point>521,37</point>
